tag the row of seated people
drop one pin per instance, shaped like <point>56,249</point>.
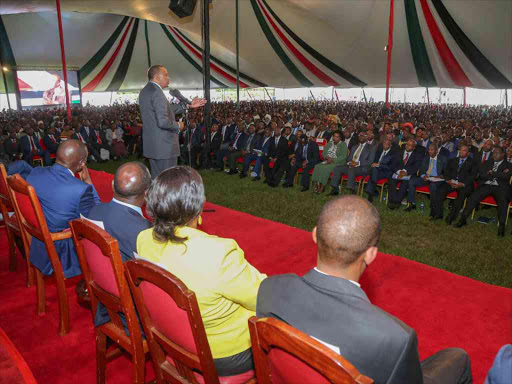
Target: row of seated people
<point>36,142</point>
<point>229,290</point>
<point>433,164</point>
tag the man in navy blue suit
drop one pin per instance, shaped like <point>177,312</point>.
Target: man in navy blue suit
<point>31,147</point>
<point>258,153</point>
<point>122,217</point>
<point>63,198</point>
<point>306,156</point>
<point>381,168</point>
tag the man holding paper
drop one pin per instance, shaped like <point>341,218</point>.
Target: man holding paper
<point>431,174</point>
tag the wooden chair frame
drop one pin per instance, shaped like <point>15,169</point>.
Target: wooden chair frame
<point>381,186</point>
<point>13,228</point>
<point>185,362</point>
<point>269,333</point>
<point>114,330</point>
<point>41,232</point>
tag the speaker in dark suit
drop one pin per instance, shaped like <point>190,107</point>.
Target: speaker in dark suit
<point>460,174</point>
<point>160,128</point>
<point>493,180</point>
<point>122,218</point>
<point>328,303</point>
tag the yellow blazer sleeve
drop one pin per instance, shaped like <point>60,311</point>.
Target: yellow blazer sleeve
<point>239,280</point>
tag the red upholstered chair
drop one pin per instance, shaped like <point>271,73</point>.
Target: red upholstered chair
<point>102,266</point>
<point>10,223</point>
<point>283,354</point>
<point>32,220</point>
<point>381,183</point>
<point>358,180</point>
<point>43,146</point>
<point>174,328</point>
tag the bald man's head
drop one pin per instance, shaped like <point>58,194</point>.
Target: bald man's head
<point>347,227</point>
<point>131,181</point>
<point>72,154</point>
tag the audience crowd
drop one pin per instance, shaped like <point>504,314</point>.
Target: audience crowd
<point>464,152</point>
<point>449,149</point>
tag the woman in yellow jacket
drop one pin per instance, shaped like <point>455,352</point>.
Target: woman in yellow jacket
<point>225,284</point>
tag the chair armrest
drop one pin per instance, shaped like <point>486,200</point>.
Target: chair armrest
<point>62,235</point>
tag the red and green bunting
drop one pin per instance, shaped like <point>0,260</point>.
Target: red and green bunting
<point>269,21</point>
<point>421,60</point>
<point>124,64</point>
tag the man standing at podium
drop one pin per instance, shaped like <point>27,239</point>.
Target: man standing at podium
<point>160,129</point>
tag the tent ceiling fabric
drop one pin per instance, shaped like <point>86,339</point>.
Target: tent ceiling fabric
<point>283,43</point>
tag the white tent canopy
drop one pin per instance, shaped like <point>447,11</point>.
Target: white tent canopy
<point>283,43</point>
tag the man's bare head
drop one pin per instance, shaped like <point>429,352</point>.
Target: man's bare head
<point>131,182</point>
<point>72,154</point>
<point>347,228</point>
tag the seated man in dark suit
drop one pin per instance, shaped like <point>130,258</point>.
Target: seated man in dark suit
<point>235,147</point>
<point>207,159</point>
<point>192,144</point>
<point>31,147</point>
<point>460,174</point>
<point>278,154</point>
<point>51,140</point>
<point>122,218</point>
<point>328,304</point>
<point>358,164</point>
<point>493,180</point>
<point>405,165</point>
<point>246,147</point>
<point>12,146</point>
<point>306,156</point>
<point>259,153</point>
<point>98,139</point>
<point>432,166</point>
<point>63,198</point>
<point>380,168</point>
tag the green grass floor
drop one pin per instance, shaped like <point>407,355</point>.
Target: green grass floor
<point>473,251</point>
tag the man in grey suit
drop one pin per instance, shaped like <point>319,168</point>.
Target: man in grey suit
<point>329,304</point>
<point>160,129</point>
<point>358,164</point>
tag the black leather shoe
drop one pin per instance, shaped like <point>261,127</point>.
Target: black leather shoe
<point>243,175</point>
<point>411,207</point>
<point>392,206</point>
<point>334,192</point>
<point>461,223</point>
<point>232,172</point>
<point>286,185</point>
<point>435,218</point>
<point>501,230</point>
<point>304,189</point>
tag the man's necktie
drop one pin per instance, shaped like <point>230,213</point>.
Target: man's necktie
<point>305,152</point>
<point>248,146</point>
<point>358,153</point>
<point>461,163</point>
<point>406,159</point>
<point>382,156</point>
<point>484,157</point>
<point>32,144</point>
<point>53,139</point>
<point>98,137</point>
<point>495,167</point>
<point>430,167</point>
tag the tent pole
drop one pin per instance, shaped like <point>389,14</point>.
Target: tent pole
<point>390,49</point>
<point>464,97</point>
<point>336,93</point>
<point>63,58</point>
<point>311,92</point>
<point>428,96</point>
<point>237,55</point>
<point>364,95</point>
<point>506,98</point>
<point>206,70</point>
<point>268,94</point>
<point>5,83</point>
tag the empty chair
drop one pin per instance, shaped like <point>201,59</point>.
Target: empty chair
<point>285,355</point>
<point>101,264</point>
<point>174,328</point>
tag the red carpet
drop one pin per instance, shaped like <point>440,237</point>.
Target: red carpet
<point>446,310</point>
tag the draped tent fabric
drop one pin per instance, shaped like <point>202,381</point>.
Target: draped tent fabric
<point>283,43</point>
